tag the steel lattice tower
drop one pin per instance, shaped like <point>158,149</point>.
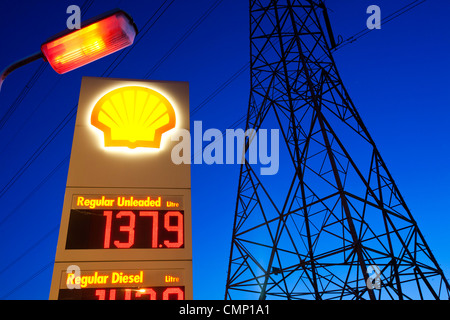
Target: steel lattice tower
<point>332,221</point>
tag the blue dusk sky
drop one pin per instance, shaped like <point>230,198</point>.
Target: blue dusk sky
<point>396,76</point>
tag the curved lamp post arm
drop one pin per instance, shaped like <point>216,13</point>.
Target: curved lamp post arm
<point>18,64</point>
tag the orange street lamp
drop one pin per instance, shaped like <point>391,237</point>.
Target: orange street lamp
<point>71,49</point>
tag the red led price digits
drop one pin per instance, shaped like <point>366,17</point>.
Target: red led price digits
<point>154,216</point>
<point>124,228</point>
<point>176,228</point>
<point>173,223</point>
<point>149,292</point>
<point>172,293</point>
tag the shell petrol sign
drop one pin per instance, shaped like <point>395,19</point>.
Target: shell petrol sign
<point>125,230</point>
<point>133,117</point>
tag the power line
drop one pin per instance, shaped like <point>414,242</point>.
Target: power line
<point>40,70</point>
<point>240,71</point>
<point>55,228</point>
<point>388,19</point>
<point>70,115</point>
<point>61,125</point>
<point>351,39</point>
<point>140,36</point>
<point>221,88</point>
<point>43,181</point>
<point>58,129</point>
<point>183,38</point>
<point>27,251</point>
<point>207,100</point>
<point>72,112</point>
<point>39,150</point>
<point>30,116</point>
<point>49,139</point>
<point>23,283</point>
<point>22,94</point>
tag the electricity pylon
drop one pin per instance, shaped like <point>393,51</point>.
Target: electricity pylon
<point>331,224</point>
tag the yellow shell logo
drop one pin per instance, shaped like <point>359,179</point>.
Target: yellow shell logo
<point>133,117</point>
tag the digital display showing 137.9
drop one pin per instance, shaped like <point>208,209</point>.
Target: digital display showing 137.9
<point>125,229</point>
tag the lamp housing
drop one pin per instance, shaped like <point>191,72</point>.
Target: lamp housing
<point>97,38</point>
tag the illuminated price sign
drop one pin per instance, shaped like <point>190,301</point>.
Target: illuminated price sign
<point>126,222</point>
<point>155,293</point>
<point>123,285</point>
<point>127,205</point>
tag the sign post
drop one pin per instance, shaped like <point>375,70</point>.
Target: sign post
<point>126,223</point>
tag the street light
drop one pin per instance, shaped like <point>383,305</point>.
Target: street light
<point>71,49</point>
